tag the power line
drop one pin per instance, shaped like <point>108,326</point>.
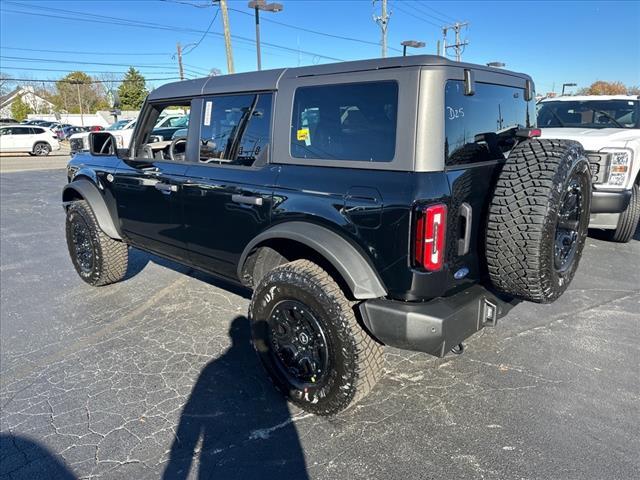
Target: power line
<point>204,34</point>
<point>315,32</point>
<point>63,70</point>
<point>413,15</point>
<point>48,80</point>
<point>76,62</point>
<point>423,13</point>
<point>152,26</point>
<point>437,12</point>
<point>74,52</point>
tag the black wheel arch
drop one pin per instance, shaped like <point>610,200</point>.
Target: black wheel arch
<point>85,189</point>
<point>326,247</point>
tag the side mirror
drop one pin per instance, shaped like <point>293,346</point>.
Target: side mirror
<point>102,143</point>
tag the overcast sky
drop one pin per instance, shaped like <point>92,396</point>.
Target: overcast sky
<point>555,42</point>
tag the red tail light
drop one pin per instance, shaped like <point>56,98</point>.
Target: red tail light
<point>431,226</point>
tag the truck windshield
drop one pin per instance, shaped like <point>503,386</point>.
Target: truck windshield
<point>620,113</point>
<point>119,125</point>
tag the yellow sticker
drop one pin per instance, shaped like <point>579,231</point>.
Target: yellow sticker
<point>303,134</point>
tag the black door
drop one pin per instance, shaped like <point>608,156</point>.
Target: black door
<point>148,199</point>
<point>228,194</point>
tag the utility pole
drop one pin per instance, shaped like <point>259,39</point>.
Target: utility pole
<point>383,22</point>
<point>180,69</point>
<point>456,27</point>
<point>227,35</point>
<point>78,82</point>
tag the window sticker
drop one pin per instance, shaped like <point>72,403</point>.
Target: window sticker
<point>207,113</point>
<point>303,135</point>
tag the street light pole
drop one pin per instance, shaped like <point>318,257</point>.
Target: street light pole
<point>412,44</point>
<point>568,85</point>
<point>258,5</point>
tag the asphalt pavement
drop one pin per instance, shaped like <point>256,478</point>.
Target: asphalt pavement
<point>154,376</point>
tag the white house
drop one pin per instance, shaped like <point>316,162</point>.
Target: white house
<point>29,96</point>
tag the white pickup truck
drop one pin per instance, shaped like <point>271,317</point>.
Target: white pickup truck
<point>122,130</point>
<point>608,127</point>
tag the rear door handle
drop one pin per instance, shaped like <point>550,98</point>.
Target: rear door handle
<point>465,239</point>
<point>246,199</point>
<point>166,187</point>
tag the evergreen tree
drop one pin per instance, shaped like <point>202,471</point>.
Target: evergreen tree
<point>132,91</point>
<point>19,109</point>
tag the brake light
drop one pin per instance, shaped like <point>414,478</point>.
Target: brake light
<point>430,229</point>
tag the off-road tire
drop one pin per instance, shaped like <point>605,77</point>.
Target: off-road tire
<point>109,257</point>
<point>628,221</point>
<point>41,149</point>
<point>523,214</point>
<point>355,359</point>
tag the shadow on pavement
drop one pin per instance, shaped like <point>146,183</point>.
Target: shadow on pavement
<point>139,259</point>
<point>235,425</point>
<point>22,458</point>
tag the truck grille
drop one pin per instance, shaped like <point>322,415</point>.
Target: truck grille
<point>76,144</point>
<point>599,163</point>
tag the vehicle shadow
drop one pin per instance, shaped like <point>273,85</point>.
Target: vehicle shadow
<point>235,425</point>
<point>23,458</point>
<point>139,259</point>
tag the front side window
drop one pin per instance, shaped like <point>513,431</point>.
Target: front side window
<point>589,114</point>
<point>482,126</point>
<point>153,142</point>
<point>354,121</point>
<point>235,129</point>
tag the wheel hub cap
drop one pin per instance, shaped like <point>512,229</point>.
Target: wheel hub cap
<point>299,343</point>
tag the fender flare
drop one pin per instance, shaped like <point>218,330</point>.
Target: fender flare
<point>361,278</point>
<point>90,192</point>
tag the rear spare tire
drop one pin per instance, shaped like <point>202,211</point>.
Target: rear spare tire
<point>538,219</point>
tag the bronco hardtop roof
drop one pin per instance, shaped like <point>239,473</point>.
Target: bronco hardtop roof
<point>268,79</point>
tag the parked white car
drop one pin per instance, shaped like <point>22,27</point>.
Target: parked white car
<point>608,127</point>
<point>29,139</point>
<point>122,130</point>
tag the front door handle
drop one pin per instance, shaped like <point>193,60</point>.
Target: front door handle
<point>166,187</point>
<point>246,199</point>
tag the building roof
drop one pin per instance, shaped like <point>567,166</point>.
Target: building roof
<point>268,79</point>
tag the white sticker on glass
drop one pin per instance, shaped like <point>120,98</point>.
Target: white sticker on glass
<point>207,113</point>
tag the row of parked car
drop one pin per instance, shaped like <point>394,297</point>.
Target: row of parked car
<point>167,128</point>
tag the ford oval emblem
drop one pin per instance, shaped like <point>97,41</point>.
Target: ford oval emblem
<point>463,272</point>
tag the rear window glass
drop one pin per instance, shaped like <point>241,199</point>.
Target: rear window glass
<point>481,127</point>
<point>354,121</point>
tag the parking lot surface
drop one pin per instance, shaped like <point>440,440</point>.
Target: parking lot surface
<point>155,376</point>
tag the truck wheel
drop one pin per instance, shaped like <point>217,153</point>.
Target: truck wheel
<point>98,259</point>
<point>538,219</point>
<point>306,334</point>
<point>628,221</point>
<point>41,149</point>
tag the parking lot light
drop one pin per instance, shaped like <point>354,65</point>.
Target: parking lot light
<point>258,5</point>
<point>568,85</point>
<point>410,43</point>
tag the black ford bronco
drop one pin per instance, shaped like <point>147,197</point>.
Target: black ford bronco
<point>399,201</point>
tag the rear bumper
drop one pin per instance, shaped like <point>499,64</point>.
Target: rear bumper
<point>610,202</point>
<point>434,327</point>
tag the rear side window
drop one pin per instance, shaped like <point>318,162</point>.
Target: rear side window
<point>235,129</point>
<point>481,127</point>
<point>20,130</point>
<point>354,121</point>
<point>36,131</point>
